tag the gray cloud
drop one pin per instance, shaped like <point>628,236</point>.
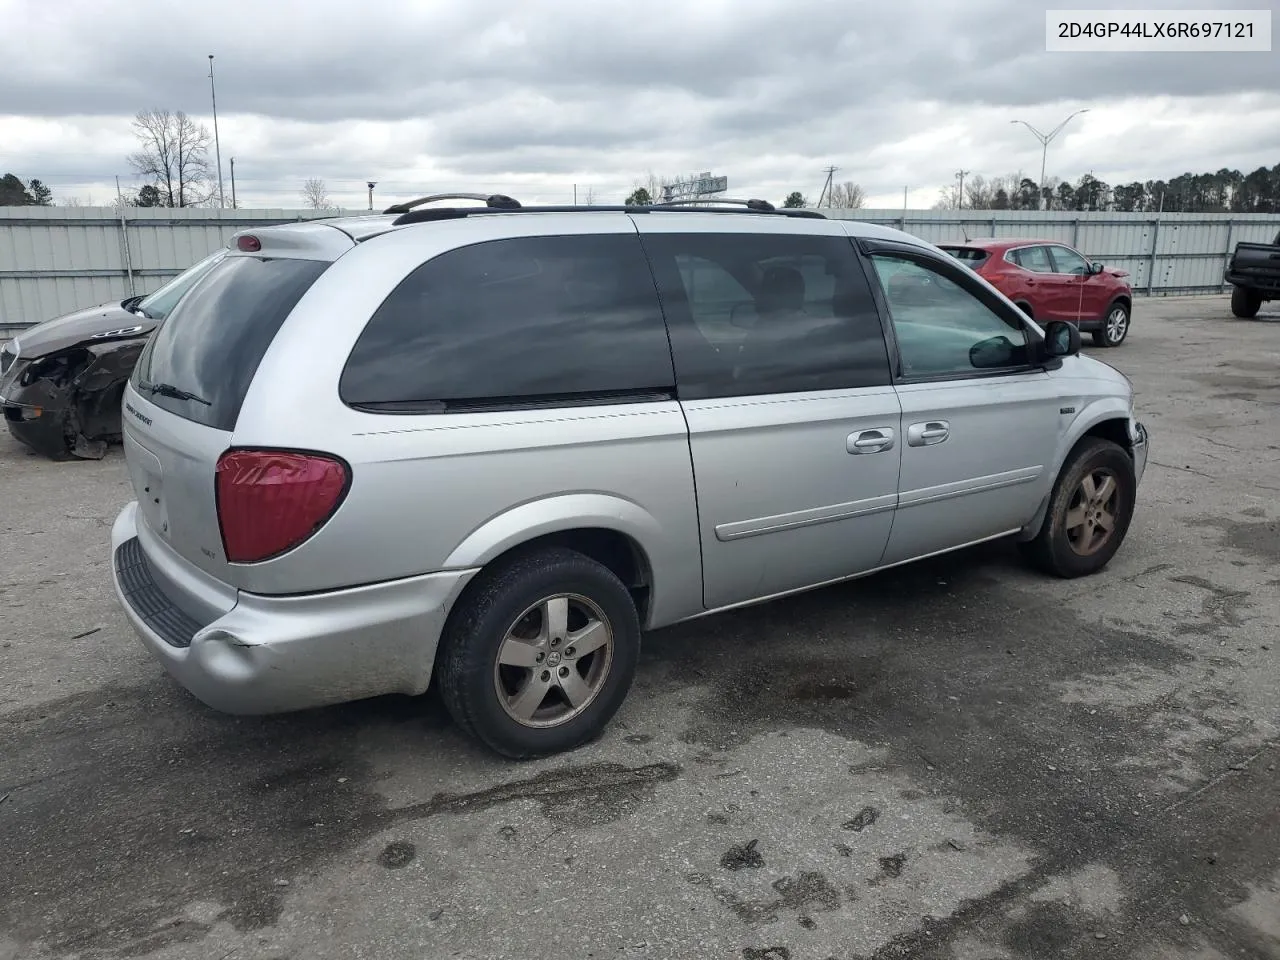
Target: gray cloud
<point>552,89</point>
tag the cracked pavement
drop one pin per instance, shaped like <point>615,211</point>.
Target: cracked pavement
<point>956,759</point>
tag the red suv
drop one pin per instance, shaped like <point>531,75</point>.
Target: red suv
<point>1051,281</point>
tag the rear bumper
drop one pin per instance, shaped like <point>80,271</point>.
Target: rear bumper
<point>274,654</point>
<point>1266,284</point>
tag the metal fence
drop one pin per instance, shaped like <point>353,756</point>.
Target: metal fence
<point>55,259</point>
<point>1167,254</point>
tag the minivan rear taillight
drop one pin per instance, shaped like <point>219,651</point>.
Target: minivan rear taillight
<point>270,501</point>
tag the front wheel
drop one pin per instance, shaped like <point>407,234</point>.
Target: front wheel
<point>1245,303</point>
<point>1089,511</point>
<point>1115,327</point>
<point>540,653</point>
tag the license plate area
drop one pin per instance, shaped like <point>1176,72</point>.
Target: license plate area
<point>147,477</point>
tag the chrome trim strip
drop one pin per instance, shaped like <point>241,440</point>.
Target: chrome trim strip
<point>739,529</point>
<point>960,488</point>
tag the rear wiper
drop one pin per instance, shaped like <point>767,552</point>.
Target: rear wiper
<point>169,390</point>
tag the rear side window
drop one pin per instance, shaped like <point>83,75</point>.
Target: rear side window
<point>203,357</point>
<point>1035,259</point>
<point>767,313</point>
<point>531,320</point>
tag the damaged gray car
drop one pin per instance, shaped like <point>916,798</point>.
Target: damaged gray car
<point>61,381</point>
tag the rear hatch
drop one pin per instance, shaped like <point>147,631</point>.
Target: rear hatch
<point>188,386</point>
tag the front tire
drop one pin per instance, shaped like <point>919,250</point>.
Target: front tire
<point>1115,326</point>
<point>1089,511</point>
<point>540,653</point>
<point>1245,303</point>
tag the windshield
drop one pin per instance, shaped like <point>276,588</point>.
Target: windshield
<point>158,305</point>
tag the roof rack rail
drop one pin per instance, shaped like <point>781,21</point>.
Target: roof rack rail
<point>497,201</point>
<point>457,213</point>
<point>762,205</point>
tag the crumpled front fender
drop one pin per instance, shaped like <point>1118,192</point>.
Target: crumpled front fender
<point>67,404</point>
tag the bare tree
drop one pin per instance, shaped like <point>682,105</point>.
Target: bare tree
<point>848,195</point>
<point>979,192</point>
<point>315,194</point>
<point>651,184</point>
<point>589,197</point>
<point>174,157</point>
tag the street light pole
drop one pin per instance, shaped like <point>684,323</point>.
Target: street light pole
<point>1045,139</point>
<point>217,144</point>
<point>372,184</point>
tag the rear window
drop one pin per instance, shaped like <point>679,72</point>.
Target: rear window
<point>526,321</point>
<point>970,255</point>
<point>204,355</point>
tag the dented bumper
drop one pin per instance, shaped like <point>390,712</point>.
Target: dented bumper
<point>68,403</point>
<point>246,653</point>
<point>37,420</point>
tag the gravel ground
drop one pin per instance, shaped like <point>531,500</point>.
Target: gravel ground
<point>959,759</point>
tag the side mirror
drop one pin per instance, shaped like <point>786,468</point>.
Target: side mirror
<point>993,352</point>
<point>1061,339</point>
<point>1095,268</point>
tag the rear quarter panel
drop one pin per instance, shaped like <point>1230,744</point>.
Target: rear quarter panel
<point>432,492</point>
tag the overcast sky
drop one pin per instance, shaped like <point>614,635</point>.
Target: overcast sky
<point>531,97</point>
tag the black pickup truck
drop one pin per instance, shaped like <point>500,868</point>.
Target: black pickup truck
<point>1254,271</point>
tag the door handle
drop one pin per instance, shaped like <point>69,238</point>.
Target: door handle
<point>870,441</point>
<point>928,433</point>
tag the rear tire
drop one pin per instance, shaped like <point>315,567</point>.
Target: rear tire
<point>1115,326</point>
<point>1089,512</point>
<point>508,668</point>
<point>1245,303</point>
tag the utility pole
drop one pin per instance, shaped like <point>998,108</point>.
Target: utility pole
<point>217,144</point>
<point>372,184</point>
<point>233,183</point>
<point>960,175</point>
<point>1045,139</point>
<point>826,186</point>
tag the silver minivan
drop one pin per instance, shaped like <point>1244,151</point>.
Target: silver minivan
<point>491,445</point>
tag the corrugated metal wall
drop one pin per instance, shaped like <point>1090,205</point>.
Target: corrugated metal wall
<point>57,259</point>
<point>1167,254</point>
<point>54,260</point>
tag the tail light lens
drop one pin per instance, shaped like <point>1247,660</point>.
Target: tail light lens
<point>270,501</point>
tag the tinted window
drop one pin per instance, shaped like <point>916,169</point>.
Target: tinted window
<point>535,319</point>
<point>1068,261</point>
<point>941,327</point>
<point>159,304</point>
<point>969,255</point>
<point>1033,258</point>
<point>211,345</point>
<point>754,314</point>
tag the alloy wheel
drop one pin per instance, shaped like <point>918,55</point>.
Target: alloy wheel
<point>1117,324</point>
<point>1091,517</point>
<point>553,660</point>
